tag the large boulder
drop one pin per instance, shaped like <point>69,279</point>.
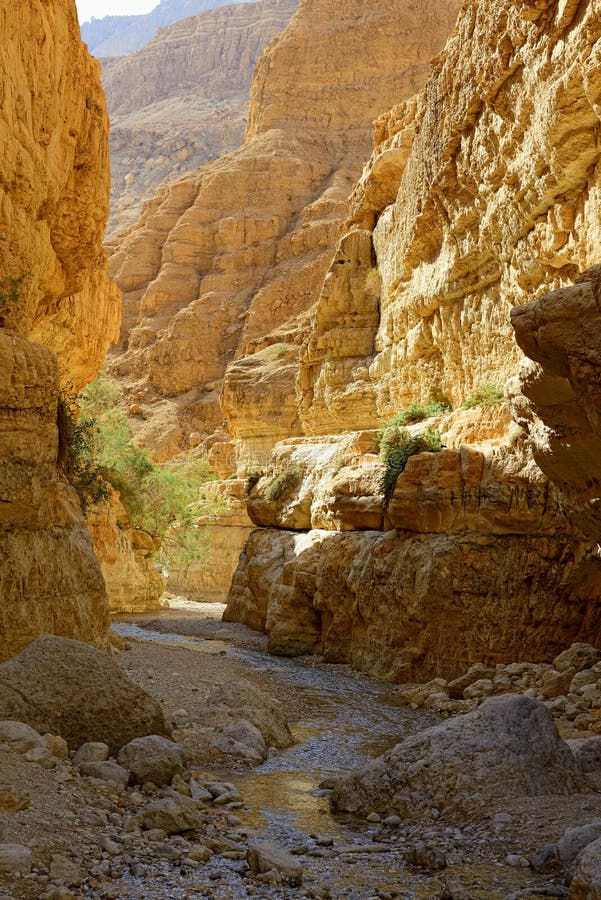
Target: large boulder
<point>65,687</point>
<point>244,715</point>
<point>153,758</point>
<point>586,883</point>
<point>508,747</point>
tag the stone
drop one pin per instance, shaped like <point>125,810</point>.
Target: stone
<point>579,657</point>
<point>425,856</point>
<point>574,840</point>
<point>66,870</point>
<point>587,753</point>
<point>266,856</point>
<point>152,758</point>
<point>92,751</point>
<point>105,771</point>
<point>56,745</point>
<point>245,734</point>
<point>66,687</point>
<point>15,859</point>
<point>20,737</point>
<point>172,814</point>
<point>484,687</point>
<point>586,880</point>
<point>477,672</point>
<point>507,747</point>
<point>236,701</point>
<point>557,684</point>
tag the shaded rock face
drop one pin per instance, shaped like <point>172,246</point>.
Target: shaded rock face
<point>183,99</point>
<point>480,196</point>
<point>557,394</point>
<point>65,687</point>
<point>474,557</point>
<point>508,747</point>
<point>58,315</point>
<point>119,35</point>
<point>222,261</point>
<point>126,556</point>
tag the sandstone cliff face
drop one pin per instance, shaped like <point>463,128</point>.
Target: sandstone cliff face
<point>126,559</point>
<point>234,252</point>
<point>495,204</point>
<point>481,195</point>
<point>119,35</point>
<point>54,182</point>
<point>183,99</point>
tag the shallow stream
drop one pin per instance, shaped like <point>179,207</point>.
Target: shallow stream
<point>346,719</point>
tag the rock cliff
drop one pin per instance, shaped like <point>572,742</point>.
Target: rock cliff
<point>482,195</point>
<point>120,35</point>
<point>58,315</point>
<point>222,261</point>
<point>183,99</point>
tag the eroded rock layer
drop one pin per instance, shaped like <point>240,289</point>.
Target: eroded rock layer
<point>491,204</point>
<point>222,260</point>
<point>183,99</point>
<point>58,315</point>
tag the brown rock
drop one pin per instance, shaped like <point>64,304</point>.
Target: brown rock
<point>578,657</point>
<point>73,690</point>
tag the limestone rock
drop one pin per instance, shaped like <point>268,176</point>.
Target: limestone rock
<point>15,859</point>
<point>586,881</point>
<point>578,657</point>
<point>266,856</point>
<point>126,556</point>
<point>172,815</point>
<point>20,737</point>
<point>239,701</point>
<point>223,261</point>
<point>508,747</point>
<point>492,203</point>
<point>68,688</point>
<point>105,771</point>
<point>183,99</point>
<point>92,751</point>
<point>574,840</point>
<point>152,758</point>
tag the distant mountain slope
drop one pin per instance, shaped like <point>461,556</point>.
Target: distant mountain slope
<point>182,100</point>
<point>120,35</point>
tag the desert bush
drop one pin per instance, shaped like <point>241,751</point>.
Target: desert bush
<point>407,446</point>
<point>393,433</point>
<point>283,484</point>
<point>486,395</point>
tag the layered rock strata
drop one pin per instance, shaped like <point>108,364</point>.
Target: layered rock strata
<point>222,260</point>
<point>490,205</point>
<point>481,196</point>
<point>126,555</point>
<point>474,557</point>
<point>58,315</point>
<point>183,99</point>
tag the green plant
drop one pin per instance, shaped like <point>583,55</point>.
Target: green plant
<point>280,349</point>
<point>281,485</point>
<point>163,499</point>
<point>393,434</point>
<point>77,440</point>
<point>10,290</point>
<point>486,395</point>
<point>428,441</point>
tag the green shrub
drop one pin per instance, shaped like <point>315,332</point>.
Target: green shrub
<point>77,440</point>
<point>487,395</point>
<point>393,434</point>
<point>163,499</point>
<point>428,441</point>
<point>284,483</point>
<point>279,349</point>
<point>253,477</point>
<point>10,290</point>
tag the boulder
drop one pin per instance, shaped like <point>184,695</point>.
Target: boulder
<point>105,771</point>
<point>508,747</point>
<point>587,753</point>
<point>15,859</point>
<point>232,707</point>
<point>20,737</point>
<point>69,688</point>
<point>153,758</point>
<point>586,883</point>
<point>172,815</point>
<point>267,856</point>
<point>93,751</point>
<point>579,656</point>
<point>574,840</point>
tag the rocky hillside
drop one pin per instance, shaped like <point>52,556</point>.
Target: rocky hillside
<point>232,252</point>
<point>58,315</point>
<point>481,196</point>
<point>183,99</point>
<point>120,35</point>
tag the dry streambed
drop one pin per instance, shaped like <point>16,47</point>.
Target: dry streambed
<point>233,805</point>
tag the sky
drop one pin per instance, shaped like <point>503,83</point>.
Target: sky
<point>100,8</point>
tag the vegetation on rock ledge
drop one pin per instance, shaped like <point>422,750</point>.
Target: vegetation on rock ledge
<point>406,446</point>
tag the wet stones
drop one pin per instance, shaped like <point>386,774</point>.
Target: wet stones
<point>268,857</point>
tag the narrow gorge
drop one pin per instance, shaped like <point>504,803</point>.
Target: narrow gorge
<point>300,545</point>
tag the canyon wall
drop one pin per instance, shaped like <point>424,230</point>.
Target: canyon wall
<point>223,260</point>
<point>183,99</point>
<point>58,315</point>
<point>482,195</point>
